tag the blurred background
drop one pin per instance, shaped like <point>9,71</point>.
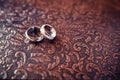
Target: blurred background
<point>87,46</point>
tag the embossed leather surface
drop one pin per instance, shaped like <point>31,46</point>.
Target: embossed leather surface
<point>87,46</point>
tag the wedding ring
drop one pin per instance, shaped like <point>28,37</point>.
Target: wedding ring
<point>34,34</point>
<point>48,31</point>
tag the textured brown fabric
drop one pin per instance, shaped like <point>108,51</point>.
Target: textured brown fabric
<point>87,46</point>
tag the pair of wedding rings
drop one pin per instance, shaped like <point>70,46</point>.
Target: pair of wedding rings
<point>36,33</point>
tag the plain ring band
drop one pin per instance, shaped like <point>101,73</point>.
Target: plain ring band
<point>48,31</point>
<point>34,34</point>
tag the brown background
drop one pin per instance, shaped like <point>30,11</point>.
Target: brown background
<point>87,46</point>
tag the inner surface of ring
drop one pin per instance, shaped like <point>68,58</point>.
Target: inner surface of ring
<point>34,32</point>
<point>48,30</point>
